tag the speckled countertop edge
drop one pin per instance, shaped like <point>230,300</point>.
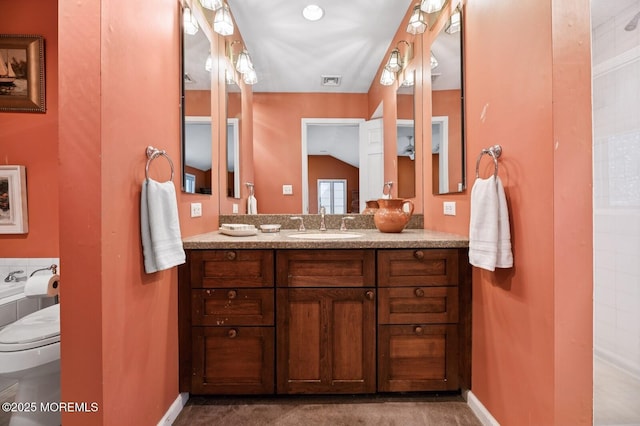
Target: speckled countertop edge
<point>371,238</point>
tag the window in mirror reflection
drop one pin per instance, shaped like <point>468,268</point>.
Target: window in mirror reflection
<point>332,195</point>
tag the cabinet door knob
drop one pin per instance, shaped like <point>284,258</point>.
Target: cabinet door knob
<point>231,255</point>
<point>418,330</point>
<point>418,254</point>
<point>232,294</point>
<point>369,295</point>
<point>232,333</point>
<point>419,292</point>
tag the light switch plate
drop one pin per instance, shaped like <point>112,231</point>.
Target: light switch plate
<point>196,209</point>
<point>449,208</point>
<point>287,189</point>
<point>234,208</point>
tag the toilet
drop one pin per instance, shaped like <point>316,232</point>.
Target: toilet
<point>30,355</point>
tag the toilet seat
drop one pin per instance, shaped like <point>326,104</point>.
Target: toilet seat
<point>38,329</point>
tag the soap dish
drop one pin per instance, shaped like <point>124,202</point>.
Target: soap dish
<point>238,229</point>
<point>270,227</point>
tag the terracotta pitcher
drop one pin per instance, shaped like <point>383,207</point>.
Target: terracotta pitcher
<point>372,206</point>
<point>391,215</point>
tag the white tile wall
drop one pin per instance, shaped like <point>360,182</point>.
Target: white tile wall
<point>616,186</point>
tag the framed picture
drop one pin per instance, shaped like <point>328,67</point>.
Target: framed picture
<point>13,200</point>
<point>21,73</point>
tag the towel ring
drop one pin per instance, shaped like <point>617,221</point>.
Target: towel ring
<point>153,153</point>
<point>495,152</point>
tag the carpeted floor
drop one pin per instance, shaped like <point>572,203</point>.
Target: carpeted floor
<point>329,411</point>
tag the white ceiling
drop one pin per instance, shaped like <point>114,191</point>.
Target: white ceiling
<point>604,10</point>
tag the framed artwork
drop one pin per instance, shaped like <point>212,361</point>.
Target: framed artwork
<point>21,73</point>
<point>13,200</point>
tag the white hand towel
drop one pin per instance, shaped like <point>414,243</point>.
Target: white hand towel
<point>160,226</point>
<point>489,234</point>
<point>252,205</point>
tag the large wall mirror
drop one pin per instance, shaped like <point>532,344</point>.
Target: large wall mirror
<point>406,136</point>
<point>447,101</point>
<point>198,128</point>
<point>234,117</point>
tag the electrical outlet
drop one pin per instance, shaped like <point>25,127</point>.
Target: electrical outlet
<point>196,209</point>
<point>287,189</point>
<point>449,208</point>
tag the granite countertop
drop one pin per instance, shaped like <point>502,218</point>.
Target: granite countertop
<point>371,238</point>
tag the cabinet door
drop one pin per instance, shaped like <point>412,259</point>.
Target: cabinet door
<point>326,340</point>
<point>233,360</point>
<point>417,358</point>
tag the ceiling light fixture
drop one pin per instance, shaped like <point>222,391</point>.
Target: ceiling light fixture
<point>189,22</point>
<point>222,22</point>
<point>431,6</point>
<point>312,12</point>
<point>417,22</point>
<point>211,4</point>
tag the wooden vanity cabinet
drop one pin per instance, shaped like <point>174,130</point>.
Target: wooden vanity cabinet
<point>419,320</point>
<point>326,335</point>
<point>231,312</point>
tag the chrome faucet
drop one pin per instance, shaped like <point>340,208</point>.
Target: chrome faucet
<point>12,277</point>
<point>301,228</point>
<point>343,224</point>
<point>323,227</point>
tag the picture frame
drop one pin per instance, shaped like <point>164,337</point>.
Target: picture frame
<point>13,200</point>
<point>22,80</point>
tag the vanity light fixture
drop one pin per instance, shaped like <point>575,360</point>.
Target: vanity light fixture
<point>243,63</point>
<point>387,77</point>
<point>434,61</point>
<point>397,62</point>
<point>312,12</point>
<point>409,79</point>
<point>208,64</point>
<point>250,77</point>
<point>453,26</point>
<point>189,22</point>
<point>417,22</point>
<point>222,22</point>
<point>211,4</point>
<point>431,6</point>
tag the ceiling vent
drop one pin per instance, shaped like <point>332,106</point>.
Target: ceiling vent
<point>188,79</point>
<point>331,80</point>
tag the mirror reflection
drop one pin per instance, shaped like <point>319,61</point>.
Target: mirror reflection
<point>447,135</point>
<point>234,115</point>
<point>406,138</point>
<point>197,122</point>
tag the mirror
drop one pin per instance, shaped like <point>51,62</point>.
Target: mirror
<point>196,114</point>
<point>447,102</point>
<point>234,115</point>
<point>406,137</point>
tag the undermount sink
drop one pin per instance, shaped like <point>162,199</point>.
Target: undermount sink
<point>325,235</point>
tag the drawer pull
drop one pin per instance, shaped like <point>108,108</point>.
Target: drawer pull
<point>418,330</point>
<point>369,295</point>
<point>419,292</point>
<point>418,254</point>
<point>232,294</point>
<point>232,333</point>
<point>231,255</point>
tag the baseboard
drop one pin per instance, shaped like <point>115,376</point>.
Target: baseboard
<point>172,413</point>
<point>618,362</point>
<point>480,410</point>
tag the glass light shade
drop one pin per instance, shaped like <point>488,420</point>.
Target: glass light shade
<point>243,64</point>
<point>387,77</point>
<point>408,79</point>
<point>417,23</point>
<point>208,64</point>
<point>312,12</point>
<point>189,22</point>
<point>250,77</point>
<point>211,4</point>
<point>454,23</point>
<point>431,6</point>
<point>434,61</point>
<point>394,64</point>
<point>222,22</point>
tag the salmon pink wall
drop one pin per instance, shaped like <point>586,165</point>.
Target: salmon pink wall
<point>532,324</point>
<point>277,132</point>
<point>31,139</point>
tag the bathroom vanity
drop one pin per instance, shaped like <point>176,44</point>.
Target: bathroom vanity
<point>272,314</point>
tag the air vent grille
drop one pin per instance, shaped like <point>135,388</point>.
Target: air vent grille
<point>331,80</point>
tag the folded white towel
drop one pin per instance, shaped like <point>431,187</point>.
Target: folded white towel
<point>160,226</point>
<point>489,234</point>
<point>252,205</point>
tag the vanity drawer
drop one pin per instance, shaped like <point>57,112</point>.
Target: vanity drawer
<point>325,268</point>
<point>233,360</point>
<point>417,358</point>
<point>222,307</point>
<point>417,267</point>
<point>231,268</point>
<point>411,305</point>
